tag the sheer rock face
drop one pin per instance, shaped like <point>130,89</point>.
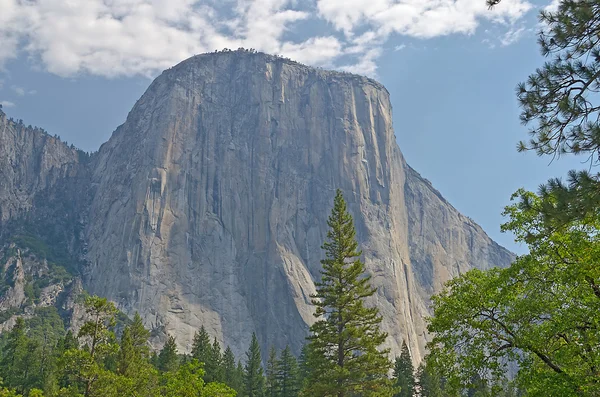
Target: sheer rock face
<point>211,202</point>
<point>31,162</point>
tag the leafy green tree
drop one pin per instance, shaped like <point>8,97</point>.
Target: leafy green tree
<point>185,381</point>
<point>254,380</point>
<point>288,374</point>
<point>272,384</point>
<point>168,361</point>
<point>214,389</point>
<point>344,358</point>
<point>404,377</point>
<point>543,312</point>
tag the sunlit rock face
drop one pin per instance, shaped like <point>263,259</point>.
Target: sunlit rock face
<point>209,204</point>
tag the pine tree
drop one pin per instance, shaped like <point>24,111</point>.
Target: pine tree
<point>168,360</point>
<point>239,380</point>
<point>20,358</point>
<point>98,331</point>
<point>404,377</point>
<point>254,380</point>
<point>126,354</point>
<point>303,369</point>
<point>230,370</point>
<point>69,341</point>
<point>214,366</point>
<point>201,347</point>
<point>272,385</point>
<point>559,102</point>
<point>288,374</point>
<point>343,345</point>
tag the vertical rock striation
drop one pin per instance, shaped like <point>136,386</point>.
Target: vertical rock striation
<point>210,203</point>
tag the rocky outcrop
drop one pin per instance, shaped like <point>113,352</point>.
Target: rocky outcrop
<point>31,161</point>
<point>211,202</point>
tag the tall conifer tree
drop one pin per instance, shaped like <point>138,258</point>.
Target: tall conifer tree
<point>201,347</point>
<point>272,385</point>
<point>254,380</point>
<point>168,360</point>
<point>343,353</point>
<point>404,373</point>
<point>288,374</point>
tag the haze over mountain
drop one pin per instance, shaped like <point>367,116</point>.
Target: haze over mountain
<point>208,206</point>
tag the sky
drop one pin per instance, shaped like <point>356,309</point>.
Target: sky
<point>76,67</point>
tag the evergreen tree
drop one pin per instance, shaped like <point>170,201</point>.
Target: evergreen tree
<point>254,380</point>
<point>154,360</point>
<point>272,385</point>
<point>230,374</point>
<point>404,377</point>
<point>288,374</point>
<point>20,359</point>
<point>86,366</point>
<point>201,347</point>
<point>97,330</point>
<point>168,360</point>
<point>69,341</point>
<point>429,383</point>
<point>344,359</point>
<point>214,366</point>
<point>560,103</point>
<point>239,380</point>
<point>303,369</point>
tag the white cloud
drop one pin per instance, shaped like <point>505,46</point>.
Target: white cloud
<point>7,104</point>
<point>552,7</point>
<point>366,64</point>
<point>20,91</point>
<point>512,36</point>
<point>399,47</point>
<point>129,37</point>
<point>417,18</point>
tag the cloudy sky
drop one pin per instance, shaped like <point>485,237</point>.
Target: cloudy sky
<point>75,68</point>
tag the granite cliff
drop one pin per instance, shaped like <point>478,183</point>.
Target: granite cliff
<point>208,206</point>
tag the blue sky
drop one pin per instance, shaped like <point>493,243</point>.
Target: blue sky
<point>451,67</point>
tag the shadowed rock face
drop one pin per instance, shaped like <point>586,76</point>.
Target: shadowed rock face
<point>211,203</point>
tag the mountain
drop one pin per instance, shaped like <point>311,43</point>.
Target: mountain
<point>208,206</point>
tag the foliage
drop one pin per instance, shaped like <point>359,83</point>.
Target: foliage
<point>288,375</point>
<point>233,376</point>
<point>272,384</point>
<point>254,380</point>
<point>560,103</point>
<point>429,382</point>
<point>40,358</point>
<point>542,313</point>
<point>168,361</point>
<point>343,354</point>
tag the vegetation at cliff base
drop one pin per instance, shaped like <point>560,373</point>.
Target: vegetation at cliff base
<point>342,356</point>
